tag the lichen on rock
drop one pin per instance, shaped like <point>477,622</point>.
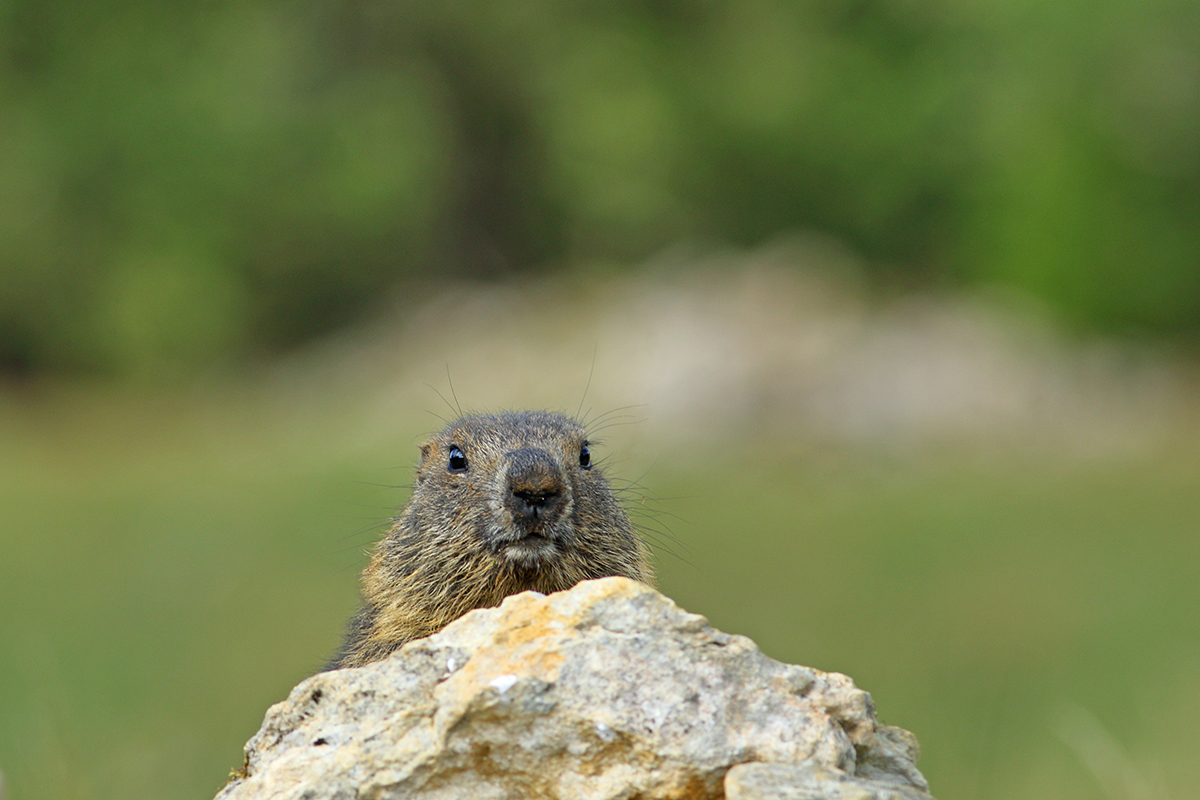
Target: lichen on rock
<point>608,690</point>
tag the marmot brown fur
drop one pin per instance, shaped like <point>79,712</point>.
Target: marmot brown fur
<point>502,503</point>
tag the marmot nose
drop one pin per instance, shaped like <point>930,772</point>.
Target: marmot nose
<point>536,489</point>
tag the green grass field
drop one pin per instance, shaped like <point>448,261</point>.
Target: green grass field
<point>169,567</point>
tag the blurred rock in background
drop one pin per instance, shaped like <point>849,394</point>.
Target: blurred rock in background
<point>783,341</point>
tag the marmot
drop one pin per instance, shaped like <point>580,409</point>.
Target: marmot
<point>502,503</point>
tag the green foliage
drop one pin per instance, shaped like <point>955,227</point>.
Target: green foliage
<point>287,166</point>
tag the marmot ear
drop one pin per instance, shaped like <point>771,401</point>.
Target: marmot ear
<point>425,450</point>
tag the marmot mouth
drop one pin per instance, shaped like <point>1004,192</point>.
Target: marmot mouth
<point>531,541</point>
<point>530,549</point>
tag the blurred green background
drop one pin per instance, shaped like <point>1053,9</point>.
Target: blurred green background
<point>237,240</point>
<point>185,184</point>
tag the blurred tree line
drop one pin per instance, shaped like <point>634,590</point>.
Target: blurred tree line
<point>187,184</point>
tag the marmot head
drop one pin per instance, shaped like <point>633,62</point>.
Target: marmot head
<point>522,485</point>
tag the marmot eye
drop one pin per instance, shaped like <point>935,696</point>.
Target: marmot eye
<point>458,461</point>
<point>585,457</point>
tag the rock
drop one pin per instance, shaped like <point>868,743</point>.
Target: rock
<point>608,690</point>
<point>809,781</point>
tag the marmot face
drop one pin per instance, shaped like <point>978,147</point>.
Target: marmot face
<point>521,485</point>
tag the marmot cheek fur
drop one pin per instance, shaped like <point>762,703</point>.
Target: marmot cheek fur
<point>502,503</point>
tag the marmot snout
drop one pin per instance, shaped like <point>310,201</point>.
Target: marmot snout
<point>537,498</point>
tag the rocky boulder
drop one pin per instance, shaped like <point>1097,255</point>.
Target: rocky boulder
<point>608,690</point>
